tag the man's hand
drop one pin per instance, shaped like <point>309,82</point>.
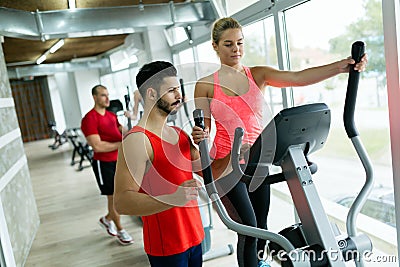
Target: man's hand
<point>198,134</point>
<point>130,115</point>
<point>187,191</point>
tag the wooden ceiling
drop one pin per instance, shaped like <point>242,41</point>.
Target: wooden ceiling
<point>22,50</point>
<point>45,5</point>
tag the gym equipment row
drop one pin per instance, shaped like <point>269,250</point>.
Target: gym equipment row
<point>59,138</point>
<point>81,148</point>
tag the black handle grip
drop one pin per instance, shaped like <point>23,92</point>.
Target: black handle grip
<point>357,51</point>
<point>198,117</point>
<point>184,101</point>
<point>182,88</point>
<point>127,101</point>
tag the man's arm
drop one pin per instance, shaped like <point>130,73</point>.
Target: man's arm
<point>132,162</point>
<point>137,98</point>
<point>98,145</point>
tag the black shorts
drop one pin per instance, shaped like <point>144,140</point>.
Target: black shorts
<point>104,172</point>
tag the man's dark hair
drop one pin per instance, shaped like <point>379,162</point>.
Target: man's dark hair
<point>152,75</point>
<point>94,89</point>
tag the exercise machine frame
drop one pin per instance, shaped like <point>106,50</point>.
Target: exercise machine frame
<point>298,131</point>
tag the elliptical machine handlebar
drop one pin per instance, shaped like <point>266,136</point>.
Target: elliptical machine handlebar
<point>319,234</point>
<point>217,203</point>
<point>357,51</point>
<point>184,100</point>
<point>198,117</point>
<point>364,243</point>
<point>127,98</point>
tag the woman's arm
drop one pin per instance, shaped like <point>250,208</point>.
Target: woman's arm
<point>265,75</point>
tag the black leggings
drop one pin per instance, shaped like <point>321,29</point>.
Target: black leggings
<point>249,208</point>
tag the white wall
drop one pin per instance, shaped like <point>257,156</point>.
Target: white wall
<point>84,81</point>
<point>69,99</point>
<point>157,46</point>
<point>74,89</point>
<point>56,103</point>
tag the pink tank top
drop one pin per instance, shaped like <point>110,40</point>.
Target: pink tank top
<point>230,112</point>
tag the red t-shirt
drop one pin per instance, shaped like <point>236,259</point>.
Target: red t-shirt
<point>177,229</point>
<point>106,126</point>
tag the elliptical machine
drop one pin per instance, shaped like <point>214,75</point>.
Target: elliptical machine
<point>298,132</point>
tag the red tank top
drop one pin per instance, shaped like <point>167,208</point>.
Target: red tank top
<point>177,229</point>
<point>245,111</point>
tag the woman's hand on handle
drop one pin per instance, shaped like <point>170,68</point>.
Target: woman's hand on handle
<point>360,67</point>
<point>198,134</point>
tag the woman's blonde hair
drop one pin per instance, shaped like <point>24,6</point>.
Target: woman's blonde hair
<point>222,25</point>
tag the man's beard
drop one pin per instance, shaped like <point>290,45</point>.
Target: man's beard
<point>166,107</point>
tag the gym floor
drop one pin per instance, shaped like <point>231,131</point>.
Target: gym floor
<point>70,205</point>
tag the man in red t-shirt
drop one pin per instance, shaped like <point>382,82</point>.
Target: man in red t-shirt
<point>103,134</point>
<point>154,176</point>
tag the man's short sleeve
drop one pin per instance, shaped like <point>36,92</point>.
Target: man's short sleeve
<point>89,125</point>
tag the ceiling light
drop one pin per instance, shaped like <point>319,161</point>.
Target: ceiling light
<point>41,59</point>
<point>52,50</point>
<point>56,46</point>
<point>188,30</point>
